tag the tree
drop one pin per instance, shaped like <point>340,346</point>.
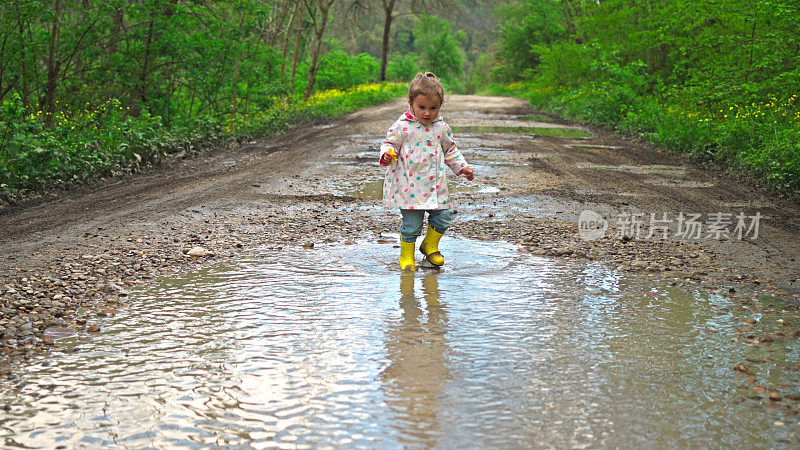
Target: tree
<point>390,8</point>
<point>294,19</point>
<point>53,64</point>
<point>318,10</point>
<point>524,29</point>
<point>440,49</point>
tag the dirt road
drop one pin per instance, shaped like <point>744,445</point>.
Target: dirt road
<point>69,261</point>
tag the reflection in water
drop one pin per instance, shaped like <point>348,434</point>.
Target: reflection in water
<point>416,347</point>
<point>501,349</point>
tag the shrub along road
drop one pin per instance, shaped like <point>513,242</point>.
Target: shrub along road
<point>70,260</point>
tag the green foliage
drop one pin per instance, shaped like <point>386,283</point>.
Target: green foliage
<point>762,139</point>
<point>130,83</point>
<point>479,76</point>
<point>566,63</point>
<point>335,102</point>
<point>172,59</point>
<point>525,36</point>
<point>402,67</point>
<point>341,70</point>
<point>77,147</point>
<point>87,144</point>
<point>717,80</point>
<point>439,47</point>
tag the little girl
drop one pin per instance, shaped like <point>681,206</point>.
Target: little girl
<point>417,148</point>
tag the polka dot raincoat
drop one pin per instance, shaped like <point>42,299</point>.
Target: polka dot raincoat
<point>417,179</point>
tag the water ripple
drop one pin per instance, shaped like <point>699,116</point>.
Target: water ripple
<point>331,346</point>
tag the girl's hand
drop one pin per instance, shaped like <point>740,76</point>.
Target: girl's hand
<point>388,157</point>
<point>467,172</point>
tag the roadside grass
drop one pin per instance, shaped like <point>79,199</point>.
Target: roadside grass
<point>758,138</point>
<point>92,141</point>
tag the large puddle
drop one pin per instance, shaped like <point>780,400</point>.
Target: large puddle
<point>332,346</point>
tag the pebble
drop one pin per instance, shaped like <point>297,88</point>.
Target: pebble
<point>199,252</point>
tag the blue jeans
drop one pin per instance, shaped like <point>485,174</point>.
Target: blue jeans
<point>411,227</point>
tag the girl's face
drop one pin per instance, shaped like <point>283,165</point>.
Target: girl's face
<point>426,109</point>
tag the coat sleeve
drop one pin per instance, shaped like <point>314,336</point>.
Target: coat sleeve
<point>394,139</point>
<point>452,155</point>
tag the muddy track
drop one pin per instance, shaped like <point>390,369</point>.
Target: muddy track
<point>307,186</point>
<point>160,191</point>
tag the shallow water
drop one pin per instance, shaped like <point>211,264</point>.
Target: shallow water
<point>661,170</point>
<point>332,346</point>
<point>546,130</point>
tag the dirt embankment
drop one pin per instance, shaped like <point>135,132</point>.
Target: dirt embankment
<point>70,260</point>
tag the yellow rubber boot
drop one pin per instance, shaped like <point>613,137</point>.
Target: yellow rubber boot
<point>430,247</point>
<point>407,256</point>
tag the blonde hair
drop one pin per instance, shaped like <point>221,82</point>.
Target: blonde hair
<point>425,84</point>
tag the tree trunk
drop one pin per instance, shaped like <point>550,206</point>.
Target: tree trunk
<point>324,7</point>
<point>282,17</point>
<point>314,66</point>
<point>387,28</point>
<point>10,86</point>
<point>571,11</point>
<point>286,39</point>
<point>144,71</point>
<point>53,67</point>
<point>3,70</point>
<point>118,19</point>
<point>26,87</point>
<point>298,43</point>
<point>235,80</point>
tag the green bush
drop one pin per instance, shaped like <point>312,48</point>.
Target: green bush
<point>565,63</point>
<point>402,68</point>
<point>760,138</point>
<point>440,50</point>
<point>711,79</point>
<point>86,144</point>
<point>339,70</point>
